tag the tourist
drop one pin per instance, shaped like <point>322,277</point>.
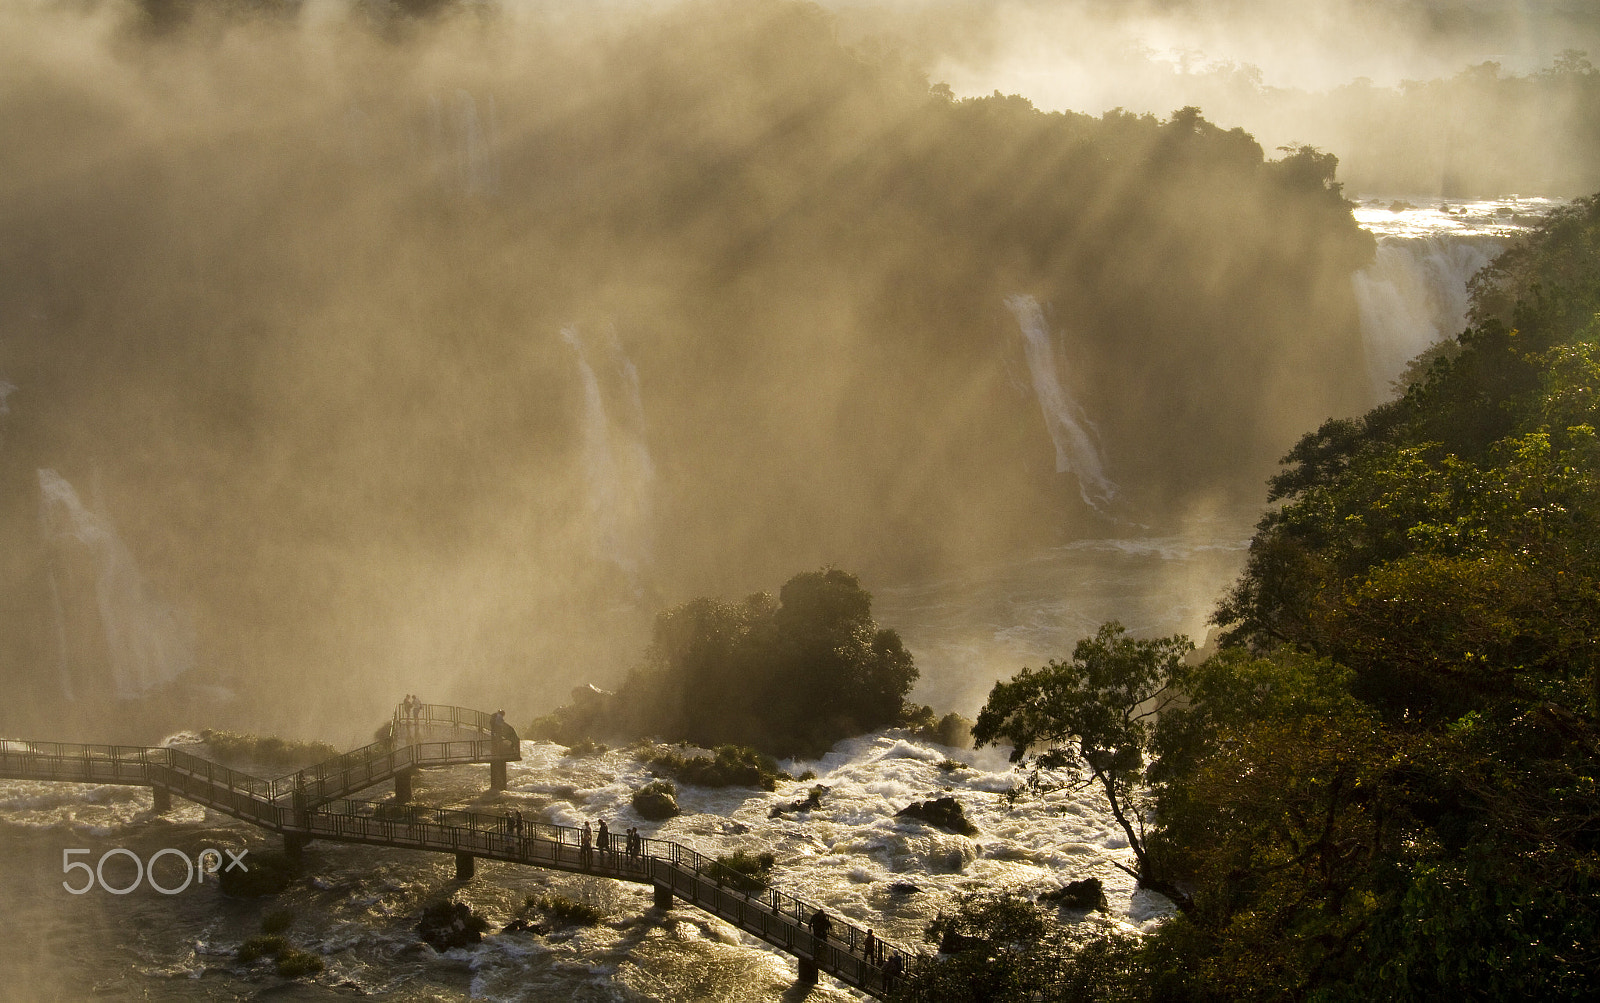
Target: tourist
<point>586,844</point>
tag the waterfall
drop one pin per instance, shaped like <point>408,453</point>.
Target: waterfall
<point>1413,296</point>
<point>147,642</point>
<point>1069,426</point>
<point>616,453</point>
<point>464,144</point>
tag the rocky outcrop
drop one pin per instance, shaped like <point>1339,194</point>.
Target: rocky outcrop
<point>945,813</point>
<point>445,925</point>
<point>1085,894</point>
<point>656,800</point>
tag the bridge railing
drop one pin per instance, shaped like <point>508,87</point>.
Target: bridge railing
<point>217,774</point>
<point>71,761</point>
<point>782,919</point>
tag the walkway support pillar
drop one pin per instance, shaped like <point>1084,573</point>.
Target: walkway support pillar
<point>663,897</point>
<point>808,972</point>
<point>497,775</point>
<point>466,866</point>
<point>402,785</point>
<point>162,798</point>
<point>294,842</point>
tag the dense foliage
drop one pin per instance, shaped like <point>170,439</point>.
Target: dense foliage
<point>787,675</point>
<point>1383,786</point>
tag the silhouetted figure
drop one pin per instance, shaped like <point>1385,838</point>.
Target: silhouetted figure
<point>586,844</point>
<point>891,971</point>
<point>869,947</point>
<point>820,925</point>
<point>604,840</point>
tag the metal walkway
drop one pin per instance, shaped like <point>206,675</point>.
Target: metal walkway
<point>312,804</point>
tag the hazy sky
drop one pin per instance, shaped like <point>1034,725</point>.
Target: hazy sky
<point>1084,55</point>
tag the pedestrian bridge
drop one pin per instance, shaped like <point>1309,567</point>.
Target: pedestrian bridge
<point>315,803</point>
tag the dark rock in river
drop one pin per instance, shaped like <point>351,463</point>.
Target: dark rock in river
<point>1085,894</point>
<point>945,813</point>
<point>812,800</point>
<point>262,872</point>
<point>451,924</point>
<point>656,800</point>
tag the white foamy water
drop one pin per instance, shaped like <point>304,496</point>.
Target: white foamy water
<point>100,594</point>
<point>1077,447</point>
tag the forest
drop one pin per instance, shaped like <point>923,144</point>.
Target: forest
<point>1382,786</point>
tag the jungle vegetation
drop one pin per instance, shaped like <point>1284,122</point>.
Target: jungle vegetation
<point>1383,785</point>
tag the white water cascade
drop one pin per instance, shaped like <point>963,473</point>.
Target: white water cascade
<point>464,144</point>
<point>616,454</point>
<point>148,643</point>
<point>1077,450</point>
<point>1413,296</point>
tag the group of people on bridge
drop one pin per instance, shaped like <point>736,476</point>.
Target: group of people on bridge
<point>590,840</point>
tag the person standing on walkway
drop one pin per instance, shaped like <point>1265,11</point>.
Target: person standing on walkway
<point>586,844</point>
<point>820,925</point>
<point>869,947</point>
<point>604,841</point>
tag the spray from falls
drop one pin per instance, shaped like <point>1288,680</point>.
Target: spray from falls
<point>1413,296</point>
<point>616,454</point>
<point>95,583</point>
<point>1070,430</point>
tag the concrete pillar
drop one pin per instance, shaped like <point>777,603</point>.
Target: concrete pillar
<point>294,842</point>
<point>663,897</point>
<point>466,866</point>
<point>402,786</point>
<point>162,798</point>
<point>497,775</point>
<point>808,972</point>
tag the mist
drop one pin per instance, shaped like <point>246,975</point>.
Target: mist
<point>346,353</point>
<point>1460,98</point>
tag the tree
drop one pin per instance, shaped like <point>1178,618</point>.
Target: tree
<point>1097,713</point>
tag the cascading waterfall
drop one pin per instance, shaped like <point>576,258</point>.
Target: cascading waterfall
<point>616,452</point>
<point>1070,430</point>
<point>148,643</point>
<point>464,144</point>
<point>1413,296</point>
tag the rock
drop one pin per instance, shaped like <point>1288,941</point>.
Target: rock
<point>1400,205</point>
<point>945,813</point>
<point>812,800</point>
<point>451,924</point>
<point>269,872</point>
<point>904,888</point>
<point>656,800</point>
<point>1085,894</point>
<point>525,926</point>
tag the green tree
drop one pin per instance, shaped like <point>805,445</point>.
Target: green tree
<point>1096,712</point>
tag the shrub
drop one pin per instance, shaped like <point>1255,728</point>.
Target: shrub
<point>728,766</point>
<point>232,746</point>
<point>564,910</point>
<point>257,948</point>
<point>740,870</point>
<point>294,963</point>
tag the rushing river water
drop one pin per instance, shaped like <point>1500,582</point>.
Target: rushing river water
<point>358,906</point>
